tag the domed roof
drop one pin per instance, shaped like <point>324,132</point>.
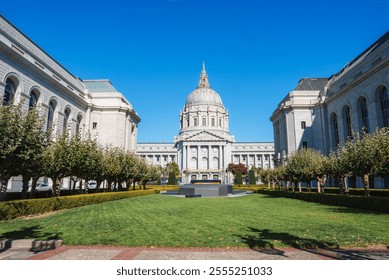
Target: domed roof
<point>203,94</point>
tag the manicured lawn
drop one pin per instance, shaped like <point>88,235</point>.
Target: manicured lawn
<point>255,221</point>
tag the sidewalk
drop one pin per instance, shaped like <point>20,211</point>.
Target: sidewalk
<point>146,253</point>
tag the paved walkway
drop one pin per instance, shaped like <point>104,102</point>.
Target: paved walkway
<point>145,253</point>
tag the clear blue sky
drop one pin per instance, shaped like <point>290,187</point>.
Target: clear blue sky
<point>152,50</point>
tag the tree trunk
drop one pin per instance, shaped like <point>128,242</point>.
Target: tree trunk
<point>86,184</point>
<point>272,184</point>
<point>133,186</point>
<point>33,187</point>
<point>318,185</point>
<point>287,185</point>
<point>3,188</point>
<point>299,185</point>
<point>25,180</point>
<point>366,184</point>
<point>345,184</point>
<point>98,183</point>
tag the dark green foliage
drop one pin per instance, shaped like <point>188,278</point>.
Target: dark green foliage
<point>238,178</point>
<point>252,179</point>
<point>378,204</point>
<point>172,179</point>
<point>19,208</point>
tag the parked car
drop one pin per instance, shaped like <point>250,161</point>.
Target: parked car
<point>43,187</point>
<point>92,185</point>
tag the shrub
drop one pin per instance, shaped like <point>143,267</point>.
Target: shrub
<point>379,204</point>
<point>238,178</point>
<point>172,180</point>
<point>19,208</point>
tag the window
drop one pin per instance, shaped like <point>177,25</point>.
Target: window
<point>50,115</point>
<point>220,122</point>
<point>305,145</point>
<point>303,125</point>
<point>94,125</point>
<point>363,115</point>
<point>334,122</point>
<point>65,121</point>
<point>9,93</point>
<point>33,99</point>
<point>204,121</point>
<point>78,125</point>
<point>196,122</point>
<point>384,101</point>
<point>348,132</point>
<point>213,122</point>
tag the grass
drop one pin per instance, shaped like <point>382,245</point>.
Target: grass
<point>256,221</point>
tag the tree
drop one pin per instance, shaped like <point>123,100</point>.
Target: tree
<point>153,173</point>
<point>172,180</point>
<point>56,159</point>
<point>252,179</point>
<point>173,167</point>
<point>29,155</point>
<point>238,178</point>
<point>235,168</point>
<point>367,155</point>
<point>10,135</point>
<point>300,166</point>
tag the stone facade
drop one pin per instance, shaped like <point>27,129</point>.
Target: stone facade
<point>28,75</point>
<point>322,113</point>
<point>204,147</point>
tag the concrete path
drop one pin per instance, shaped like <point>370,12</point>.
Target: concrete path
<point>146,253</point>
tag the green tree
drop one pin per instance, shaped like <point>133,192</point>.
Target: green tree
<point>29,155</point>
<point>172,180</point>
<point>252,178</point>
<point>238,178</point>
<point>153,173</point>
<point>11,130</point>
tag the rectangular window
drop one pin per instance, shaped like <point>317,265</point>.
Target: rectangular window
<point>213,121</point>
<point>94,125</point>
<point>305,145</point>
<point>220,122</point>
<point>195,122</point>
<point>204,122</point>
<point>303,125</point>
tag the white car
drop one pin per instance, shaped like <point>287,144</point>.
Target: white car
<point>43,187</point>
<point>92,185</point>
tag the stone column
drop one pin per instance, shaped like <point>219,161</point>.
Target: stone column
<point>198,157</point>
<point>209,157</point>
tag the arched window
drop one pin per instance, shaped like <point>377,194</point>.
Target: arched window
<point>78,125</point>
<point>335,130</point>
<point>65,121</point>
<point>348,131</point>
<point>384,102</point>
<point>50,114</point>
<point>33,99</point>
<point>195,122</point>
<point>204,163</point>
<point>9,93</point>
<point>363,115</point>
<point>193,163</point>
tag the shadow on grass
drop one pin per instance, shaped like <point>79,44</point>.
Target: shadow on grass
<point>262,240</point>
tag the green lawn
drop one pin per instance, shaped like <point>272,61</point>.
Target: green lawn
<point>255,221</point>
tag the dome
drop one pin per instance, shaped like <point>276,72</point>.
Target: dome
<point>203,94</point>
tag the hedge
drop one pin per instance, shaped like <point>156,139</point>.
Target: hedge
<point>377,204</point>
<point>19,208</point>
<point>352,191</point>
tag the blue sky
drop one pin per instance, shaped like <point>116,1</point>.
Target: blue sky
<point>152,50</point>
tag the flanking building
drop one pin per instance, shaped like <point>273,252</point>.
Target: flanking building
<point>204,146</point>
<point>30,76</point>
<point>321,113</point>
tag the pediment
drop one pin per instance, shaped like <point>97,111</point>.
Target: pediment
<point>205,136</point>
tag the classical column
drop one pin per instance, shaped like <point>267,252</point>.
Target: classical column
<point>209,155</point>
<point>198,157</point>
<point>184,167</point>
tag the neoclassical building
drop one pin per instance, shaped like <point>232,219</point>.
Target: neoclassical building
<point>320,113</point>
<point>204,146</point>
<point>30,76</point>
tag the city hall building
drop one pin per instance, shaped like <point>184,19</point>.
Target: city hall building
<point>204,146</point>
<point>321,113</point>
<point>31,77</point>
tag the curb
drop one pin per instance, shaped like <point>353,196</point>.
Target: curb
<point>29,244</point>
